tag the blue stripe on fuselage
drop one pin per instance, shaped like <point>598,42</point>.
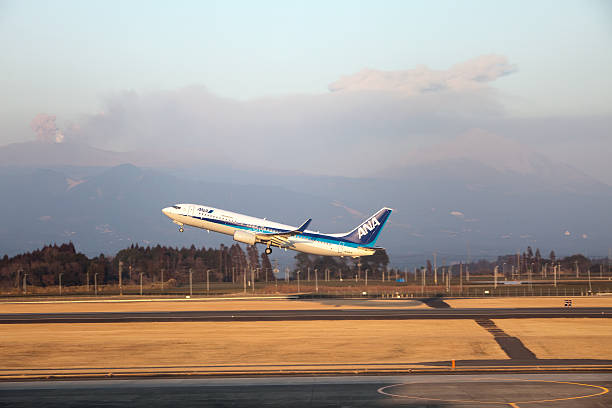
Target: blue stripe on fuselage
<point>310,235</point>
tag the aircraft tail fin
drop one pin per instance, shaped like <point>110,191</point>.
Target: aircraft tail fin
<point>367,232</point>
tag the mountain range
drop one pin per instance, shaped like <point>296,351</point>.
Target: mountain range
<point>456,205</point>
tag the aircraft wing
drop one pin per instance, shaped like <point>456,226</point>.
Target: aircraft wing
<point>281,239</point>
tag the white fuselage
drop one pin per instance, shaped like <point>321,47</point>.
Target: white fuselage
<point>227,222</point>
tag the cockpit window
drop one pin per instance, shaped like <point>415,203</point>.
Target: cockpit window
<point>176,206</point>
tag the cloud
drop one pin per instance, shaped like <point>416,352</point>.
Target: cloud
<point>357,133</point>
<point>342,133</point>
<point>45,128</point>
<point>464,76</point>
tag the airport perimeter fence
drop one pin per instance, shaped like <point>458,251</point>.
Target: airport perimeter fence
<point>323,289</point>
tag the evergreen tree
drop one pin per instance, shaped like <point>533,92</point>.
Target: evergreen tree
<point>253,256</point>
<point>266,266</point>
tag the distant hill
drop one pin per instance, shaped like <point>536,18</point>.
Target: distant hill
<point>39,153</point>
<point>440,206</point>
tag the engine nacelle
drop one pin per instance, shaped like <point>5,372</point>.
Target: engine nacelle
<point>245,237</point>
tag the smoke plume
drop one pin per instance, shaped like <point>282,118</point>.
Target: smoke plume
<point>46,130</point>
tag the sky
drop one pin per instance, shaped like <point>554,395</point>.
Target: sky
<point>122,74</point>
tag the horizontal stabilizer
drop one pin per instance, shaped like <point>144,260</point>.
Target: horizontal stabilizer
<point>305,225</point>
<point>267,236</point>
<point>371,250</point>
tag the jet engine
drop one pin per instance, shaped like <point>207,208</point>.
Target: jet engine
<point>245,237</point>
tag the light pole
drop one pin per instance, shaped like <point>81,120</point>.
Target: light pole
<point>162,280</point>
<point>461,277</point>
<point>19,271</point>
<point>252,281</point>
<point>422,280</point>
<point>366,277</point>
<point>495,276</point>
<point>140,283</point>
<point>96,284</point>
<point>120,283</point>
<point>577,273</point>
<point>435,269</point>
<point>60,283</point>
<point>298,279</point>
<point>207,282</point>
<point>87,283</point>
<point>25,284</point>
<point>190,282</point>
<point>316,280</point>
<point>244,279</point>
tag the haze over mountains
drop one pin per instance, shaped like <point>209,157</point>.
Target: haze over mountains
<point>438,145</point>
<point>56,192</point>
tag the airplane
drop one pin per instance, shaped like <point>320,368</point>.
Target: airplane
<point>250,230</point>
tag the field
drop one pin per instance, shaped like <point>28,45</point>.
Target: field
<point>531,301</point>
<point>563,338</point>
<point>160,345</point>
<point>160,305</point>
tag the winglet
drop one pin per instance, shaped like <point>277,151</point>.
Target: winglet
<point>303,227</point>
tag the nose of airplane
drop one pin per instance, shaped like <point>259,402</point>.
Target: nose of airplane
<point>166,211</point>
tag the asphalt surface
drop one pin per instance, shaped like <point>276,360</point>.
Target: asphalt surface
<point>296,315</point>
<point>492,390</point>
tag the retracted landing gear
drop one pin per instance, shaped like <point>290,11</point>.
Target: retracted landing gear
<point>268,251</point>
<point>181,229</point>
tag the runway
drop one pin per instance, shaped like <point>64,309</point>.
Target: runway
<point>492,390</point>
<point>304,315</point>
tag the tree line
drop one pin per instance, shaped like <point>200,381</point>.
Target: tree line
<point>43,267</point>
